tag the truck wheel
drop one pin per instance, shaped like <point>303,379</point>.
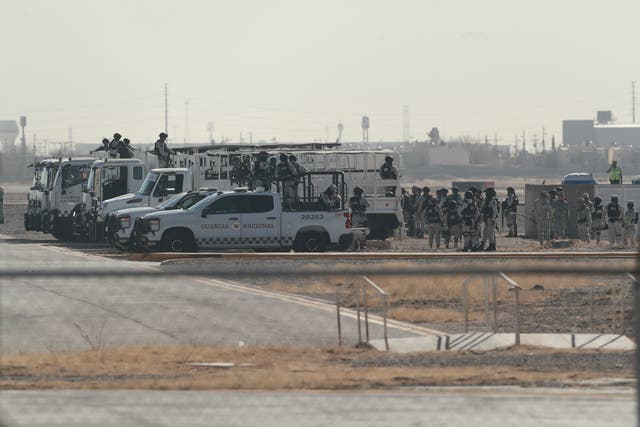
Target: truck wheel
<point>309,242</point>
<point>177,241</point>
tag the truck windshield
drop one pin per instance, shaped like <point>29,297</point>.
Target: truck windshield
<point>51,172</point>
<point>91,179</point>
<point>149,182</point>
<point>172,202</point>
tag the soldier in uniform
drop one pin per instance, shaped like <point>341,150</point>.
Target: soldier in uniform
<point>262,174</point>
<point>161,149</point>
<point>583,218</point>
<point>453,220</point>
<point>455,195</point>
<point>113,146</point>
<point>560,215</point>
<point>489,214</point>
<point>510,210</point>
<point>330,199</point>
<point>542,216</point>
<point>287,174</point>
<point>389,171</point>
<point>614,214</point>
<point>407,211</point>
<point>434,220</point>
<point>103,147</point>
<point>630,223</point>
<point>470,216</point>
<point>125,149</point>
<point>359,206</point>
<point>597,218</point>
<point>417,201</point>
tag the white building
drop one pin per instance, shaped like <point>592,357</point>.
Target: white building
<point>602,134</point>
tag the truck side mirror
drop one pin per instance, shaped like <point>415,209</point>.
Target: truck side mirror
<point>84,187</point>
<point>204,213</point>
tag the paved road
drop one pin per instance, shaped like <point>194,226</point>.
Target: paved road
<point>39,314</point>
<point>219,408</point>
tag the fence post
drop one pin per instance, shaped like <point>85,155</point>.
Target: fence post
<point>465,302</point>
<point>338,313</point>
<point>358,310</point>
<point>366,311</point>
<point>494,283</point>
<point>386,340</point>
<point>517,291</point>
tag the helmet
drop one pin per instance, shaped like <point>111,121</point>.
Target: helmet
<point>415,189</point>
<point>117,135</point>
<point>293,158</point>
<point>490,191</point>
<point>126,141</point>
<point>105,140</point>
<point>426,189</point>
<point>163,135</point>
<point>263,154</point>
<point>559,189</point>
<point>597,200</point>
<point>455,190</point>
<point>585,195</point>
<point>359,190</point>
<point>614,197</point>
<point>510,190</point>
<point>552,192</point>
<point>468,194</point>
<point>332,188</point>
<point>630,203</point>
<point>388,159</point>
<point>283,157</point>
<point>444,191</point>
<point>403,190</point>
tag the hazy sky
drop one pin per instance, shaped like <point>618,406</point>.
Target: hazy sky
<point>293,69</point>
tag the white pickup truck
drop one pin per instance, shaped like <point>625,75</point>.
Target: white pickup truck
<point>246,220</point>
<point>121,223</point>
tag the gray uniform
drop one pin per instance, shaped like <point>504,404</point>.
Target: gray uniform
<point>560,216</point>
<point>583,218</point>
<point>470,216</point>
<point>614,217</point>
<point>630,223</point>
<point>597,221</point>
<point>542,215</point>
<point>434,220</point>
<point>359,206</point>
<point>489,218</point>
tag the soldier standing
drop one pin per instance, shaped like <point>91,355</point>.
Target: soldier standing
<point>630,223</point>
<point>113,146</point>
<point>161,149</point>
<point>597,218</point>
<point>389,171</point>
<point>287,174</point>
<point>262,171</point>
<point>542,216</point>
<point>613,213</point>
<point>435,221</point>
<point>510,209</point>
<point>615,173</point>
<point>583,218</point>
<point>405,203</point>
<point>560,215</point>
<point>455,195</point>
<point>470,215</point>
<point>359,206</point>
<point>417,202</point>
<point>125,149</point>
<point>103,147</point>
<point>489,218</point>
<point>454,224</point>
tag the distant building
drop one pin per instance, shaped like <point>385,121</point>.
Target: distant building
<point>8,133</point>
<point>601,133</point>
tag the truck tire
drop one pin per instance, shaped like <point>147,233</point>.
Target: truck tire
<point>62,229</point>
<point>177,241</point>
<point>310,242</point>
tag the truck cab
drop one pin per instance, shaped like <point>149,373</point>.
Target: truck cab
<point>107,179</point>
<point>158,186</point>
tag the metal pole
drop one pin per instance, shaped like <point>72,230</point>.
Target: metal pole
<point>338,313</point>
<point>166,110</point>
<point>465,302</point>
<point>517,290</point>
<point>358,310</point>
<point>366,311</point>
<point>386,340</point>
<point>494,283</point>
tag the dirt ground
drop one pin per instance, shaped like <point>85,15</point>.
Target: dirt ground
<point>194,368</point>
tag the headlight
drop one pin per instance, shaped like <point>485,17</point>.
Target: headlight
<point>154,224</point>
<point>125,222</point>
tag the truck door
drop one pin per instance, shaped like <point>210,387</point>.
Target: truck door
<point>261,222</point>
<point>168,185</point>
<point>220,223</point>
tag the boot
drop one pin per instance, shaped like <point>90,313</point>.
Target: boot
<point>492,247</point>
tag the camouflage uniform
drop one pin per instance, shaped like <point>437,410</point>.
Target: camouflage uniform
<point>560,209</point>
<point>453,220</point>
<point>583,219</point>
<point>489,216</point>
<point>630,223</point>
<point>542,215</point>
<point>470,216</point>
<point>597,219</point>
<point>435,220</point>
<point>614,215</point>
<point>509,210</point>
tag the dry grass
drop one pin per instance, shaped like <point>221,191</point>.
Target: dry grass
<point>269,369</point>
<point>430,315</point>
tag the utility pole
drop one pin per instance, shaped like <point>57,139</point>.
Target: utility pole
<point>186,121</point>
<point>544,148</point>
<point>524,149</point>
<point>166,109</point>
<point>210,129</point>
<point>535,143</point>
<point>633,101</point>
<point>34,147</point>
<point>553,143</point>
<point>405,123</point>
<point>23,139</point>
<point>515,144</point>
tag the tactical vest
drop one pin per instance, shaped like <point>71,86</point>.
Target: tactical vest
<point>431,213</point>
<point>487,210</point>
<point>284,171</point>
<point>453,218</point>
<point>357,204</point>
<point>468,214</point>
<point>386,171</point>
<point>614,212</point>
<point>598,210</point>
<point>615,174</point>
